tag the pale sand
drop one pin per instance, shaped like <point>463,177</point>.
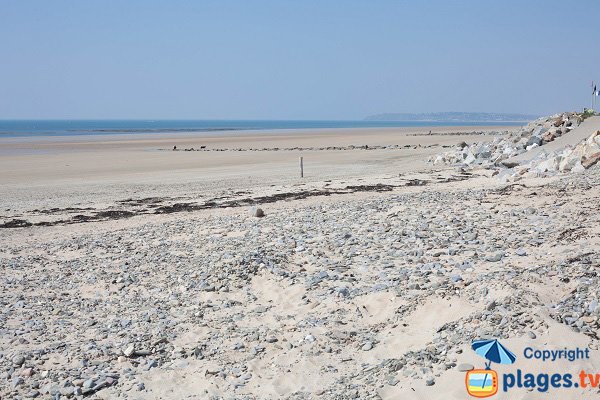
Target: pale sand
<point>103,168</point>
<point>103,171</point>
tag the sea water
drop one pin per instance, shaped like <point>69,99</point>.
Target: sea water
<point>36,128</point>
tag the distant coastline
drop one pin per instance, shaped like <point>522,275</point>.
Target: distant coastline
<point>453,117</point>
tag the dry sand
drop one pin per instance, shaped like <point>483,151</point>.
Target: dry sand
<point>366,279</point>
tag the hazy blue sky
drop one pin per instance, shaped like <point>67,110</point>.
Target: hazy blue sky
<point>294,59</point>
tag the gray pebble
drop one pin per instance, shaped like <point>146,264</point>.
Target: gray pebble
<point>464,367</point>
<point>367,346</point>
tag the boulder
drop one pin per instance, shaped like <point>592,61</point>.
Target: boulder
<point>470,158</point>
<point>549,136</point>
<point>578,168</point>
<point>570,159</point>
<point>533,140</point>
<point>550,164</point>
<point>590,161</point>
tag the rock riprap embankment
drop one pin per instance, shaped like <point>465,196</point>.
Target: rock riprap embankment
<point>499,155</point>
<point>570,159</point>
<point>536,133</point>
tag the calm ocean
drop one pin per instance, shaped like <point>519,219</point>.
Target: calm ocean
<point>25,128</point>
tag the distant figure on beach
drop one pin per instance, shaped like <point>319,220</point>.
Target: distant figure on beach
<point>174,148</point>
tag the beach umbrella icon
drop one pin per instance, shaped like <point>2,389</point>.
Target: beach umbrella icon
<point>493,351</point>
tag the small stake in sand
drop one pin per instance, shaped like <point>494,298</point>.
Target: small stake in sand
<point>301,167</point>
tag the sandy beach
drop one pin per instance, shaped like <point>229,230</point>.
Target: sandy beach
<point>134,271</point>
<point>115,167</point>
<point>299,200</point>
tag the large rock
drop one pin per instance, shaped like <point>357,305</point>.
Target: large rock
<point>551,164</point>
<point>549,136</point>
<point>589,161</point>
<point>534,140</point>
<point>469,158</point>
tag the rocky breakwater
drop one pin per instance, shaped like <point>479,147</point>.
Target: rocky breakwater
<point>570,159</point>
<point>536,133</point>
<point>517,155</point>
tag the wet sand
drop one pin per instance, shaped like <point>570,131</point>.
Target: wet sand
<point>146,159</point>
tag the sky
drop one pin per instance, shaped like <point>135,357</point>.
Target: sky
<point>254,59</point>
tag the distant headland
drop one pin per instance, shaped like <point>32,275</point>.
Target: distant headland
<point>452,117</point>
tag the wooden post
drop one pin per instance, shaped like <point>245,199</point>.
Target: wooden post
<point>301,167</point>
